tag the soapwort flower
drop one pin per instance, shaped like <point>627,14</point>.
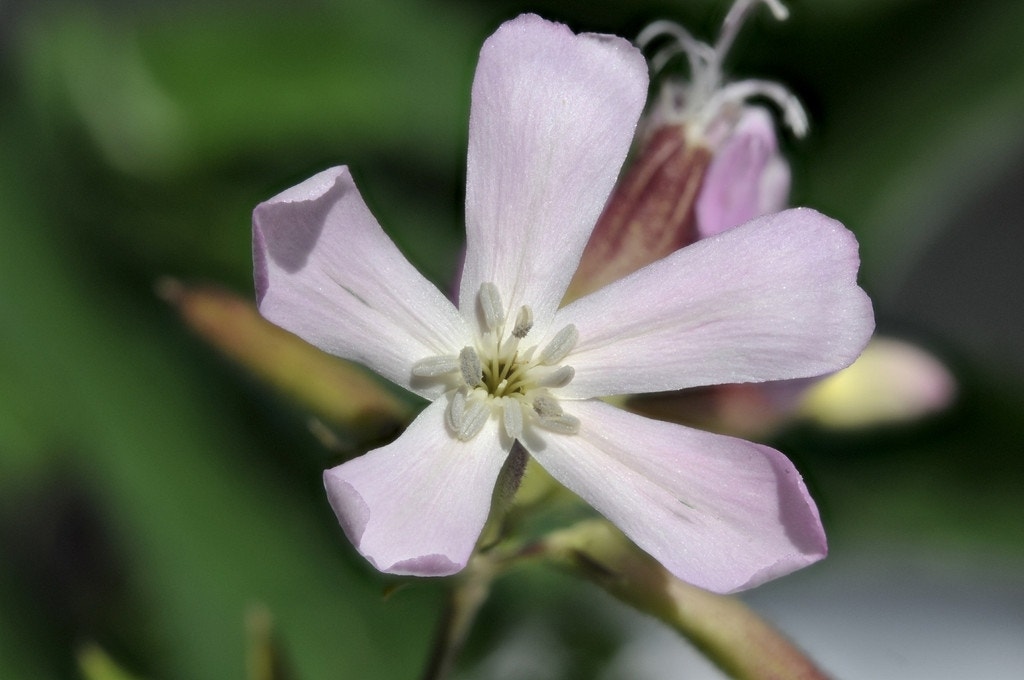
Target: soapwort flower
<point>551,121</point>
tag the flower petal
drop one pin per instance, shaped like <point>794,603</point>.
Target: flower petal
<point>774,299</point>
<point>746,178</point>
<point>326,271</point>
<point>720,513</point>
<point>552,118</point>
<point>417,505</point>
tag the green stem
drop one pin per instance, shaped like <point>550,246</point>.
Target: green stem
<point>467,595</point>
<point>735,638</point>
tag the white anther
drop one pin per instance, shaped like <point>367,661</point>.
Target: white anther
<point>457,409</point>
<point>469,364</point>
<point>524,322</point>
<point>563,424</point>
<point>435,366</point>
<point>490,305</point>
<point>559,377</point>
<point>512,415</point>
<point>547,406</point>
<point>560,345</point>
<point>475,415</point>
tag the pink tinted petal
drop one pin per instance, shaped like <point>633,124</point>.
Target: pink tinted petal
<point>774,299</point>
<point>775,182</point>
<point>720,513</point>
<point>327,272</point>
<point>551,121</point>
<point>417,505</point>
<point>735,189</point>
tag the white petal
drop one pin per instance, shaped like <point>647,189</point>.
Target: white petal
<point>720,513</point>
<point>551,121</point>
<point>417,505</point>
<point>774,299</point>
<point>327,272</point>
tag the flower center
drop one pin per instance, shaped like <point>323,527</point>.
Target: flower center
<point>498,377</point>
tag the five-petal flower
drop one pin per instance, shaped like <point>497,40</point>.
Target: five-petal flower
<point>552,118</point>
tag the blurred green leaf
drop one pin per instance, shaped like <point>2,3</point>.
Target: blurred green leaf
<point>96,664</point>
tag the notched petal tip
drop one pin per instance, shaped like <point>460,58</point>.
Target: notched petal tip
<point>353,514</point>
<point>425,565</point>
<point>286,228</point>
<point>349,507</point>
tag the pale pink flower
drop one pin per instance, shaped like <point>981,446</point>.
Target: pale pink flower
<point>551,121</point>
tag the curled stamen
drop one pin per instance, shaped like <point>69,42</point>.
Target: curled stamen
<point>793,113</point>
<point>469,364</point>
<point>490,305</point>
<point>524,322</point>
<point>432,367</point>
<point>697,53</point>
<point>560,345</point>
<point>705,97</point>
<point>737,15</point>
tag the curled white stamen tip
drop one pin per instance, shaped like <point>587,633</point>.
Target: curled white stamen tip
<point>524,322</point>
<point>512,416</point>
<point>490,305</point>
<point>778,9</point>
<point>434,366</point>
<point>793,113</point>
<point>560,345</point>
<point>469,364</point>
<point>738,14</point>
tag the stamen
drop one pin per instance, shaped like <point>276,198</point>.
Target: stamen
<point>547,406</point>
<point>706,96</point>
<point>560,377</point>
<point>434,366</point>
<point>469,364</point>
<point>792,112</point>
<point>457,409</point>
<point>474,417</point>
<point>560,345</point>
<point>563,424</point>
<point>697,53</point>
<point>524,322</point>
<point>512,415</point>
<point>737,15</point>
<point>490,304</point>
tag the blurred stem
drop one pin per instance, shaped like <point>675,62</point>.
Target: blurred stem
<point>728,632</point>
<point>468,593</point>
<point>338,391</point>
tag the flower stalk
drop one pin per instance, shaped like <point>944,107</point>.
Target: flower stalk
<point>728,632</point>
